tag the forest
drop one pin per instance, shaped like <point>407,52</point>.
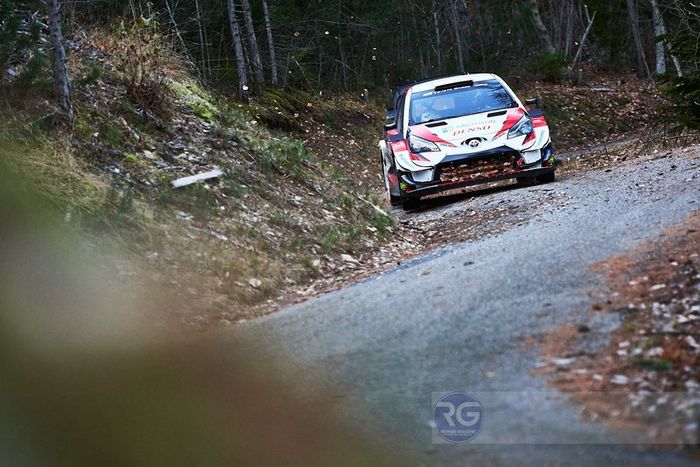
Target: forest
<point>202,261</point>
<point>243,46</point>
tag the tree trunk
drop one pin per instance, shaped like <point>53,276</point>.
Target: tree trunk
<point>541,28</point>
<point>677,64</point>
<point>252,40</point>
<point>659,30</point>
<point>438,44</point>
<point>579,52</point>
<point>457,36</point>
<point>569,30</point>
<point>60,62</point>
<point>239,53</point>
<point>642,69</point>
<point>270,43</point>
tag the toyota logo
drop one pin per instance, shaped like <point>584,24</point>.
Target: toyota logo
<point>474,143</point>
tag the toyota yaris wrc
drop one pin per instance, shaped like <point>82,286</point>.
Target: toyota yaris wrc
<point>458,131</point>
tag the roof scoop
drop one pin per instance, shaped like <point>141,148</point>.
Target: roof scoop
<point>458,84</point>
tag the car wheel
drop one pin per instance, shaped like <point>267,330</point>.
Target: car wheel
<point>409,204</point>
<point>548,178</point>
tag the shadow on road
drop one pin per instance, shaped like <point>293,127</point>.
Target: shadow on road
<point>463,194</point>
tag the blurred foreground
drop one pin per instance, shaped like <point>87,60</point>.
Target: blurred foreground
<point>86,381</point>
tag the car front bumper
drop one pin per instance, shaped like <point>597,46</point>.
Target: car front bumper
<point>477,168</point>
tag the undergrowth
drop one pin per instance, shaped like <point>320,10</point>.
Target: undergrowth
<point>225,245</point>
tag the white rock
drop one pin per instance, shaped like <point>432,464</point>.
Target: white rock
<point>348,258</point>
<point>255,283</point>
<point>692,342</point>
<point>619,379</point>
<point>563,361</point>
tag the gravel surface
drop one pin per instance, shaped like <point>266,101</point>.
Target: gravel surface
<point>457,319</point>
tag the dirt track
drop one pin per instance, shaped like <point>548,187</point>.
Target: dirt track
<point>456,319</point>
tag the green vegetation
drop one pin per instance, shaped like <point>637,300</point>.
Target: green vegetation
<point>548,67</point>
<point>655,365</point>
<point>269,218</point>
<point>684,91</point>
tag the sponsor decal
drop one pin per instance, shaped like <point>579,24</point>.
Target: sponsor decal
<point>425,133</point>
<point>513,117</point>
<point>472,129</point>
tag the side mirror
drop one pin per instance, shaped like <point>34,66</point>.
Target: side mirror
<point>532,102</point>
<point>390,119</point>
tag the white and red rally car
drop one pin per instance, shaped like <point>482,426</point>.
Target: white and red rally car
<point>458,131</point>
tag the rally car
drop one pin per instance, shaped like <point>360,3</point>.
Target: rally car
<point>461,130</point>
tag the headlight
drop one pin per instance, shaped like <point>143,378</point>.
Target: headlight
<point>522,128</point>
<point>419,145</point>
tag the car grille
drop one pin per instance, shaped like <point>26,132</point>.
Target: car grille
<point>479,168</point>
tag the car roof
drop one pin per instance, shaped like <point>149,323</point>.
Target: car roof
<point>432,84</point>
<point>400,90</point>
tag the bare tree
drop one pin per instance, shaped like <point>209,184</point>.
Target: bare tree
<point>60,62</point>
<point>270,43</point>
<point>456,26</point>
<point>203,42</point>
<point>539,24</point>
<point>583,39</point>
<point>438,45</point>
<point>252,40</point>
<point>238,52</point>
<point>642,68</point>
<point>660,30</point>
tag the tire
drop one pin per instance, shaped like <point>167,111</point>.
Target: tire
<point>409,204</point>
<point>393,200</point>
<point>548,178</point>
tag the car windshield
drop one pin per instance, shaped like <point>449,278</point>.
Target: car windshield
<point>482,96</point>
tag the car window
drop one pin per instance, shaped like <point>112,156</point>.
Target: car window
<point>483,96</point>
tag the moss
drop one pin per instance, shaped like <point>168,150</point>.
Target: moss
<point>284,154</point>
<point>83,126</point>
<point>279,109</point>
<point>95,73</point>
<point>112,135</point>
<point>655,365</point>
<point>196,99</point>
<point>383,223</point>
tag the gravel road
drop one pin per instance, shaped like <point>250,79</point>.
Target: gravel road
<point>457,319</point>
